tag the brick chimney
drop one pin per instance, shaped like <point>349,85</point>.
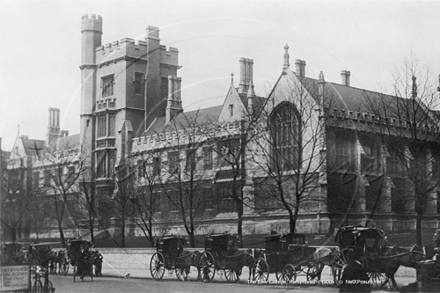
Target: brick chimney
<point>246,75</point>
<point>345,77</point>
<point>53,128</point>
<point>300,67</point>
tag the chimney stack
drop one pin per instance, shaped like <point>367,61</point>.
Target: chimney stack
<point>300,67</point>
<point>246,75</point>
<point>53,128</point>
<point>345,77</point>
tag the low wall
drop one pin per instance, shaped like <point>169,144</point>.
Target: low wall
<point>136,261</point>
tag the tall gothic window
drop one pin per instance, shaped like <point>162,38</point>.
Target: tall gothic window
<point>111,124</point>
<point>286,139</point>
<point>102,125</point>
<point>107,86</point>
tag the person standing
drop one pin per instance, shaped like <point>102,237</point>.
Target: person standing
<point>354,277</point>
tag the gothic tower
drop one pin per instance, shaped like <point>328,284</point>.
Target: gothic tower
<point>91,30</point>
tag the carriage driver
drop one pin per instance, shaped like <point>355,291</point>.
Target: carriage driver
<point>354,277</point>
<point>84,260</point>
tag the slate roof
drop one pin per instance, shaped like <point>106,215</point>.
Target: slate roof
<point>359,100</point>
<point>33,146</point>
<point>184,119</point>
<point>66,142</point>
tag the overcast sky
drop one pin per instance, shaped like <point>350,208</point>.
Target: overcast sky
<point>41,47</point>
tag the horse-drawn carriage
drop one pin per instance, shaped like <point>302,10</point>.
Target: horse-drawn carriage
<point>380,261</point>
<point>12,253</point>
<point>80,258</point>
<point>170,255</point>
<point>40,255</point>
<point>222,254</point>
<point>286,256</point>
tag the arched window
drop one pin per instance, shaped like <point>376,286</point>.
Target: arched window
<point>285,125</point>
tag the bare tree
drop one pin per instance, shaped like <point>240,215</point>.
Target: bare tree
<point>186,184</point>
<point>147,198</point>
<point>408,128</point>
<point>289,148</point>
<point>62,169</point>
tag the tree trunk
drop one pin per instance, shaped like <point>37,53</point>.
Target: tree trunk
<point>60,229</point>
<point>240,222</point>
<point>123,231</point>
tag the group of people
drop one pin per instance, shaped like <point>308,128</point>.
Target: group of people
<point>87,259</point>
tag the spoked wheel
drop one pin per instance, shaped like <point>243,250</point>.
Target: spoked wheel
<point>289,273</point>
<point>37,287</point>
<point>339,262</point>
<point>207,266</point>
<point>48,287</point>
<point>157,266</point>
<point>183,273</point>
<point>232,275</point>
<point>314,271</point>
<point>261,270</point>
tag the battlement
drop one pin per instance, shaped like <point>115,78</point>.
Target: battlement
<point>182,137</point>
<point>170,57</point>
<point>91,23</point>
<point>129,47</point>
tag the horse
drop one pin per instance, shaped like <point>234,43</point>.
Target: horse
<point>392,257</point>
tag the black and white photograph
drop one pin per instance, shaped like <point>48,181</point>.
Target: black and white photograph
<point>219,146</point>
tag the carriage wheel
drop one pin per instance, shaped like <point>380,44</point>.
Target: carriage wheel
<point>48,287</point>
<point>289,273</point>
<point>157,266</point>
<point>314,271</point>
<point>182,274</point>
<point>232,275</point>
<point>261,270</point>
<point>37,287</point>
<point>207,266</point>
<point>339,262</point>
<point>64,267</point>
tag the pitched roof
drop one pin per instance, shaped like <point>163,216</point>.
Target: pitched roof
<point>184,120</point>
<point>66,142</point>
<point>33,146</point>
<point>341,97</point>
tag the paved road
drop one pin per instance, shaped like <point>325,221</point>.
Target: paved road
<point>109,285</point>
<point>171,285</point>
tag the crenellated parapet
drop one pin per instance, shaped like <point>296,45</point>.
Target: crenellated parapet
<point>91,23</point>
<point>170,56</point>
<point>368,118</point>
<point>185,137</point>
<point>127,47</point>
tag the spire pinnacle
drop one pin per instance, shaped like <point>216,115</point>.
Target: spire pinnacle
<point>232,79</point>
<point>414,87</point>
<point>286,57</point>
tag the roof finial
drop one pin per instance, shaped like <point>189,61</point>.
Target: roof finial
<point>286,57</point>
<point>321,77</point>
<point>232,78</point>
<point>414,87</point>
